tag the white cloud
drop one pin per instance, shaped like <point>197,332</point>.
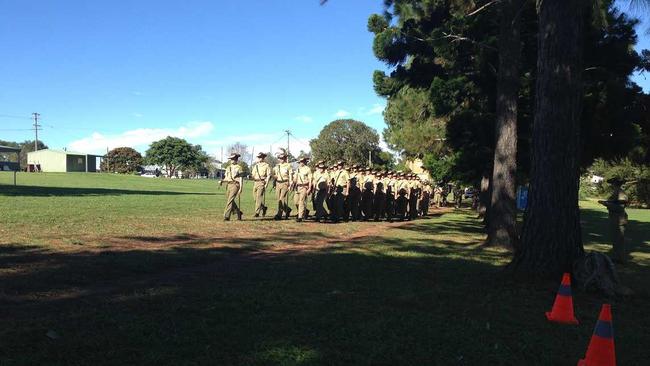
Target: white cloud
<point>136,92</point>
<point>140,138</point>
<point>376,109</point>
<point>137,115</point>
<point>342,113</point>
<point>304,119</point>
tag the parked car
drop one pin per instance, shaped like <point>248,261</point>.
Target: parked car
<point>469,192</point>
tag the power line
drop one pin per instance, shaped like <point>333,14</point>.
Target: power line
<point>13,116</point>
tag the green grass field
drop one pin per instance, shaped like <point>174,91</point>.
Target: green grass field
<point>130,270</point>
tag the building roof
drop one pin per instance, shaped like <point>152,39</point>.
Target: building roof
<point>9,149</point>
<point>65,152</point>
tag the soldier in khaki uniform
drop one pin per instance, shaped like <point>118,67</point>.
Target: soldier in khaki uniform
<point>401,202</point>
<point>390,196</point>
<point>261,174</point>
<point>368,195</point>
<point>615,204</point>
<point>342,187</point>
<point>354,196</point>
<point>379,203</point>
<point>233,178</point>
<point>302,182</point>
<point>320,183</point>
<point>283,174</point>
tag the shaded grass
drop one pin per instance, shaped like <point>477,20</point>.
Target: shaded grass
<point>267,293</point>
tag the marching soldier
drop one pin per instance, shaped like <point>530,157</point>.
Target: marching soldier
<point>414,192</point>
<point>342,187</point>
<point>235,181</point>
<point>283,174</point>
<point>320,185</point>
<point>261,174</point>
<point>367,197</point>
<point>401,202</point>
<point>379,203</point>
<point>390,196</point>
<point>354,196</point>
<point>303,185</point>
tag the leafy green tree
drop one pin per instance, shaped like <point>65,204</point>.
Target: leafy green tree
<point>174,154</point>
<point>348,140</point>
<point>564,28</point>
<point>122,160</point>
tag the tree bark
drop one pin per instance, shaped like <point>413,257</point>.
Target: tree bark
<point>551,238</point>
<point>502,224</point>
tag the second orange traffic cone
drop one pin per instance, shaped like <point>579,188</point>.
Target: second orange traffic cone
<point>562,311</point>
<point>601,347</point>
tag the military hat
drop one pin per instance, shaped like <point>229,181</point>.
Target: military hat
<point>282,155</point>
<point>234,156</point>
<point>261,155</point>
<point>340,163</point>
<point>303,159</point>
<point>320,165</point>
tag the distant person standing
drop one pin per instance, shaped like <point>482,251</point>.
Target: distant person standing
<point>458,196</point>
<point>261,174</point>
<point>303,185</point>
<point>233,178</point>
<point>615,204</point>
<point>283,174</point>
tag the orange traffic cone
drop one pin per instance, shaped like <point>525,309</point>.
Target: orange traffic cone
<point>562,311</point>
<point>601,348</point>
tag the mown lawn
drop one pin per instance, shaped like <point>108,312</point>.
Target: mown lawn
<point>129,270</point>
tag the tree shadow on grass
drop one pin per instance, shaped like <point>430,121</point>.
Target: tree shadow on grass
<point>596,230</point>
<point>38,191</point>
<point>376,301</point>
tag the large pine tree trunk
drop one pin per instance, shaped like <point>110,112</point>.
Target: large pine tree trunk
<point>551,238</point>
<point>502,224</point>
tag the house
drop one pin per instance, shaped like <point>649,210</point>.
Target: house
<point>62,161</point>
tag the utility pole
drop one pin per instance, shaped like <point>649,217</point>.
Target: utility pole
<point>36,126</point>
<point>288,134</point>
<point>370,158</point>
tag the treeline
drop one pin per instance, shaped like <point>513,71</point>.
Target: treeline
<point>514,92</point>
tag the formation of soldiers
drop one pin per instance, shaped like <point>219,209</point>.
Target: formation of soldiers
<point>338,192</point>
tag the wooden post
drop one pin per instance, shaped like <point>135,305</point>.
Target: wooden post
<point>14,177</point>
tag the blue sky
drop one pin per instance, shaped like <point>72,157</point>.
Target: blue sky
<point>114,73</point>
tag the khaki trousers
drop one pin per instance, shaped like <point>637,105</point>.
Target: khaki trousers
<point>319,202</point>
<point>231,204</point>
<point>301,200</point>
<point>281,194</point>
<point>259,191</point>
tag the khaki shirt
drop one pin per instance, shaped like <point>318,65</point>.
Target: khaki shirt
<point>341,178</point>
<point>283,172</point>
<point>321,180</point>
<point>261,171</point>
<point>232,173</point>
<point>303,175</point>
<point>355,178</point>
